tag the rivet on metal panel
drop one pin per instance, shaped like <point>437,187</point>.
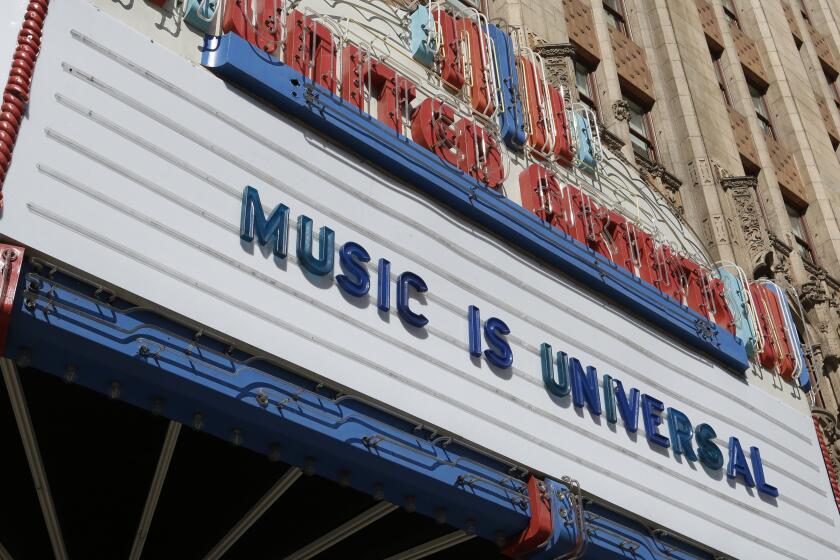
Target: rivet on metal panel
<point>24,358</point>
<point>70,373</point>
<point>501,539</point>
<point>116,390</point>
<point>410,504</point>
<point>344,478</point>
<point>274,452</point>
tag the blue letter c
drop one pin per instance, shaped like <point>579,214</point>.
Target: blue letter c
<point>405,280</point>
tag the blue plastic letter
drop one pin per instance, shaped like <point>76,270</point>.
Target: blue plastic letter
<point>738,463</point>
<point>323,265</point>
<point>708,451</point>
<point>383,286</point>
<point>559,387</point>
<point>609,399</point>
<point>253,221</point>
<point>758,469</point>
<point>474,320</point>
<point>405,280</point>
<point>499,354</point>
<point>679,426</point>
<point>585,387</point>
<point>651,410</point>
<point>629,409</point>
<point>349,257</point>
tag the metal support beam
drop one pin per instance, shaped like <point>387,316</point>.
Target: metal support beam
<point>156,488</point>
<point>433,547</point>
<point>4,554</point>
<point>33,456</point>
<point>338,534</point>
<point>284,483</point>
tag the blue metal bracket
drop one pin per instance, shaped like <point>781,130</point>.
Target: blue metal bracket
<point>241,63</point>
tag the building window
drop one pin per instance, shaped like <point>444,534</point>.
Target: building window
<point>641,131</point>
<point>803,10</point>
<point>800,232</point>
<point>586,88</point>
<point>835,89</point>
<point>721,80</point>
<point>761,110</point>
<point>615,15</point>
<point>731,12</point>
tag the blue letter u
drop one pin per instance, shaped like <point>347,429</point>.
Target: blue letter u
<point>323,265</point>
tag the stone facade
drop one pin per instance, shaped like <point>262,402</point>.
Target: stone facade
<point>717,163</point>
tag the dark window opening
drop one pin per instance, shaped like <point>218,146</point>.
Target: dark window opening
<point>835,89</point>
<point>731,13</point>
<point>803,9</point>
<point>800,232</point>
<point>721,80</point>
<point>762,112</point>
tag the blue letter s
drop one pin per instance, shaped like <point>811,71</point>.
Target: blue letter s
<point>350,256</point>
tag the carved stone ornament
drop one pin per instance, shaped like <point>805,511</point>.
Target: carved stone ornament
<point>621,110</point>
<point>557,57</point>
<point>661,180</point>
<point>812,293</point>
<point>743,193</point>
<point>611,141</point>
<point>781,265</point>
<point>744,182</point>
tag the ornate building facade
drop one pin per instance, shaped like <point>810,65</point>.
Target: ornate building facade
<point>731,109</point>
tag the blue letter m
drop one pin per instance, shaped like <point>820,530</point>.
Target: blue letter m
<point>253,222</point>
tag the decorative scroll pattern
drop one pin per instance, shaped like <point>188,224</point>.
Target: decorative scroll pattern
<point>742,190</point>
<point>557,57</point>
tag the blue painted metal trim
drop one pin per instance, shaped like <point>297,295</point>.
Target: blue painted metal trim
<point>60,321</point>
<point>608,535</point>
<point>615,537</point>
<point>241,63</point>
